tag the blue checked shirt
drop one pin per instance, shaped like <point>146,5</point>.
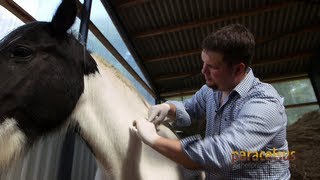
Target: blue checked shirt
<point>252,118</point>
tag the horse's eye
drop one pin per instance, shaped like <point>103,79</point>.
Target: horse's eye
<point>20,52</point>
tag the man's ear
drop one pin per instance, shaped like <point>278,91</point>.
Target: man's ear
<point>239,69</point>
<point>64,17</point>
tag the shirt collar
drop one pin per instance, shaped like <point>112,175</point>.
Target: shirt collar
<point>244,86</point>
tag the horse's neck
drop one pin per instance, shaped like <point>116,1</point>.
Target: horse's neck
<point>104,112</point>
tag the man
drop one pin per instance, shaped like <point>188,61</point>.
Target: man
<point>246,120</point>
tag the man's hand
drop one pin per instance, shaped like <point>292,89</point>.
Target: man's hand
<point>158,113</point>
<point>146,131</point>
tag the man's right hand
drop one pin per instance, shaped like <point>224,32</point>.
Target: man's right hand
<point>158,113</point>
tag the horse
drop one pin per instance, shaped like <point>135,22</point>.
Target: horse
<point>50,82</point>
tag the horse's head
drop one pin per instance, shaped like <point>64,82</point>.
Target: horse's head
<point>41,77</point>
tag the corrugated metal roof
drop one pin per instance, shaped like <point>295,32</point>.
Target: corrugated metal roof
<point>167,35</point>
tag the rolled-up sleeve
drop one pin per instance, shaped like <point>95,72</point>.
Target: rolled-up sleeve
<point>257,123</point>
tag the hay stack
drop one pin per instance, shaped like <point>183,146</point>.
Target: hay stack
<point>304,138</point>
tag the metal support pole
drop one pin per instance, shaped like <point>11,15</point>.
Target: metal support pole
<point>85,19</point>
<point>314,75</point>
<point>66,158</point>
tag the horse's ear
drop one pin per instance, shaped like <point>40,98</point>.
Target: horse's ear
<point>64,17</point>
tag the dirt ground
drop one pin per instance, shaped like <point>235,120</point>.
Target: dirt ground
<point>304,138</point>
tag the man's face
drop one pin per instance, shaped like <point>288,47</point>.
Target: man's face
<point>217,73</point>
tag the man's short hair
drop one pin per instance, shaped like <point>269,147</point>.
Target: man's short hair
<point>235,42</point>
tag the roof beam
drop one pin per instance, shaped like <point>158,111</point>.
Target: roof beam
<point>172,56</point>
<point>269,79</point>
<point>15,9</point>
<point>261,62</point>
<point>197,23</point>
<point>128,4</point>
<point>23,15</point>
<point>291,76</point>
<point>180,92</point>
<point>259,41</point>
<point>114,17</point>
<point>176,76</point>
<point>118,56</point>
<point>282,59</point>
<point>301,105</point>
<point>306,29</point>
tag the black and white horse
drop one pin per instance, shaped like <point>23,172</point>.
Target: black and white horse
<point>48,81</point>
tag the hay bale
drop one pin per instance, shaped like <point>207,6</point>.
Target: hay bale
<point>304,138</point>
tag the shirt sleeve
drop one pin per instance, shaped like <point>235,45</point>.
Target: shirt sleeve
<point>193,108</point>
<point>257,123</point>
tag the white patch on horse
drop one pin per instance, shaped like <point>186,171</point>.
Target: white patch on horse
<point>12,141</point>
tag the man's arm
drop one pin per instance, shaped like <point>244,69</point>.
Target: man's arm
<point>180,112</point>
<point>172,149</point>
<point>257,124</point>
<point>191,109</point>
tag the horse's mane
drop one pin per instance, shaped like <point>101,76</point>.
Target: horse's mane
<point>119,75</point>
<point>110,67</point>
